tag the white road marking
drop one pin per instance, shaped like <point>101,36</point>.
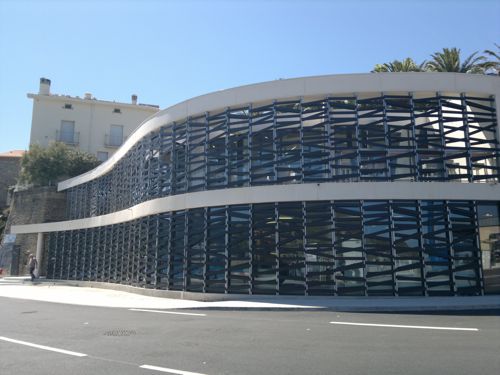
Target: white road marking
<point>168,312</point>
<point>76,354</point>
<point>404,326</point>
<point>170,370</point>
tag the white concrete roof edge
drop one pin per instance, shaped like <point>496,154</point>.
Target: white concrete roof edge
<point>397,190</point>
<point>296,87</point>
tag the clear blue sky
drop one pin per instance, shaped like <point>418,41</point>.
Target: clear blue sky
<point>169,51</point>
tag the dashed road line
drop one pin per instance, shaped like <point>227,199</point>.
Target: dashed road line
<point>168,312</point>
<point>76,354</point>
<point>169,370</point>
<point>405,326</point>
<point>43,347</point>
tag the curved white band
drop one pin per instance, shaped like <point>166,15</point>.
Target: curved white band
<point>281,193</point>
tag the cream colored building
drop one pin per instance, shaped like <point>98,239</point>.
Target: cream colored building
<point>96,126</point>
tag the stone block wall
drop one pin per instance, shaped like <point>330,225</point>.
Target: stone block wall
<point>9,172</point>
<point>36,205</point>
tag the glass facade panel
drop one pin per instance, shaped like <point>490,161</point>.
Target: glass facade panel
<point>178,260</point>
<point>335,139</point>
<point>163,251</point>
<point>290,247</point>
<point>238,147</point>
<point>265,258</point>
<point>407,248</point>
<point>195,251</point>
<point>350,258</point>
<point>489,242</point>
<point>436,248</point>
<point>377,247</point>
<point>318,248</point>
<point>345,248</point>
<point>350,247</point>
<point>464,247</point>
<point>196,155</point>
<point>216,253</point>
<point>240,261</point>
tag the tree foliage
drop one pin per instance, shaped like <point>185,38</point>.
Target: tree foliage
<point>447,60</point>
<point>47,166</point>
<point>494,63</point>
<point>407,65</point>
<point>3,221</point>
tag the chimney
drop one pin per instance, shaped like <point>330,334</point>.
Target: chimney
<point>88,96</point>
<point>44,86</point>
<point>134,99</point>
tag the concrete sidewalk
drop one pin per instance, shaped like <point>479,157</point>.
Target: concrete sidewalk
<point>106,295</point>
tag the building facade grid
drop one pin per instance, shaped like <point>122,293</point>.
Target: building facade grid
<point>334,139</point>
<point>293,187</point>
<point>368,247</point>
<point>331,247</point>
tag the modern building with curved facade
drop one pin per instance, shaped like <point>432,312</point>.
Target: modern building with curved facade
<point>362,184</point>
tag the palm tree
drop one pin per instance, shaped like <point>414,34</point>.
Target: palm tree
<point>494,64</point>
<point>449,61</point>
<point>407,65</point>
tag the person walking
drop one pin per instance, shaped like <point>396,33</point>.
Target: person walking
<point>33,265</point>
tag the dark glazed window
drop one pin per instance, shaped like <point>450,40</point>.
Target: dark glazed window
<point>262,146</point>
<point>318,248</point>
<point>407,248</point>
<point>489,235</point>
<point>403,247</point>
<point>436,248</point>
<point>163,250</point>
<point>195,251</point>
<point>349,255</point>
<point>177,251</point>
<point>179,182</point>
<point>464,247</point>
<point>197,172</point>
<point>315,142</point>
<point>265,260</point>
<point>240,261</point>
<point>378,249</point>
<point>291,248</point>
<point>216,253</point>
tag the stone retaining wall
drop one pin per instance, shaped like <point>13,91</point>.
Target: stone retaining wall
<point>36,205</point>
<point>9,172</point>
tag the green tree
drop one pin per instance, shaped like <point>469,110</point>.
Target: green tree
<point>3,220</point>
<point>81,162</point>
<point>407,65</point>
<point>47,166</point>
<point>449,60</point>
<point>494,63</point>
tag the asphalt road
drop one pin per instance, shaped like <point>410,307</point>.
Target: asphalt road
<point>119,341</point>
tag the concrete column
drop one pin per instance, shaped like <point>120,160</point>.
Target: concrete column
<point>39,253</point>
